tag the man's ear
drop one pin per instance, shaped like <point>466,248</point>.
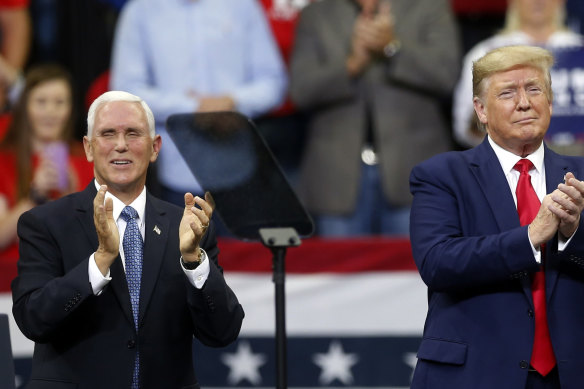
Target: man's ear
<point>480,109</point>
<point>156,145</point>
<point>88,149</point>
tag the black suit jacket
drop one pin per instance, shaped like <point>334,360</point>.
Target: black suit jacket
<point>88,341</point>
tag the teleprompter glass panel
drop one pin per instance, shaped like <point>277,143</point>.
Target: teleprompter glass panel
<point>230,159</point>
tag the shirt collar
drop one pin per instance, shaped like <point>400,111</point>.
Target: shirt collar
<point>508,160</point>
<point>139,204</point>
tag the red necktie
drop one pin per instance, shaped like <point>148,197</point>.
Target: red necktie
<point>542,358</point>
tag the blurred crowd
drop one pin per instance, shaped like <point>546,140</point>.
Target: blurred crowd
<point>348,94</point>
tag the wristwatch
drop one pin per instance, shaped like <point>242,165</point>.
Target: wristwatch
<point>392,48</point>
<point>192,265</point>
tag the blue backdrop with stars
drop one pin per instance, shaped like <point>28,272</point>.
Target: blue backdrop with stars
<point>366,362</point>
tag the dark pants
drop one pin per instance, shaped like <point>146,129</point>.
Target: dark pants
<point>550,381</point>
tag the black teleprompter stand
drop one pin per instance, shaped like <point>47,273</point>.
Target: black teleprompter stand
<point>253,197</point>
<point>278,240</point>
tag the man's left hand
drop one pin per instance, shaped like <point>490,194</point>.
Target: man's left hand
<point>376,32</point>
<point>570,204</point>
<point>194,225</point>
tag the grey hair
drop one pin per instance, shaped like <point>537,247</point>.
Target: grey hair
<point>111,96</point>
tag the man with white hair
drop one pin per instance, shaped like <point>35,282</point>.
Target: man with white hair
<point>112,282</point>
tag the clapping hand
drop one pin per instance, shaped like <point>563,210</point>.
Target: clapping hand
<point>376,31</point>
<point>569,204</point>
<point>107,231</point>
<point>194,225</point>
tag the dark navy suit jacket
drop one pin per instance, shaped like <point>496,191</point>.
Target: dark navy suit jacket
<point>476,260</point>
<point>88,341</point>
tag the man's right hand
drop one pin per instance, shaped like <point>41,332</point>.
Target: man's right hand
<point>359,57</point>
<point>107,231</point>
<point>545,225</point>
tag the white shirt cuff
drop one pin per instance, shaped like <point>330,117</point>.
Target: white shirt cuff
<point>563,243</point>
<point>198,276</point>
<point>96,279</point>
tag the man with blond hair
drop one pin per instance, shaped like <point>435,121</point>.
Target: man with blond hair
<point>496,236</point>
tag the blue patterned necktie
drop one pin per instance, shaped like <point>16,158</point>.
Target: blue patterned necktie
<point>133,252</point>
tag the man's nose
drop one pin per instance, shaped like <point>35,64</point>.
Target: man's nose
<point>523,101</point>
<point>121,143</point>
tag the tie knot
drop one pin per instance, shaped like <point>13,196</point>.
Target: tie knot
<point>129,213</point>
<point>523,165</point>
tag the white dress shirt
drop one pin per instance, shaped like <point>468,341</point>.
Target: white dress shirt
<point>537,173</point>
<point>197,277</point>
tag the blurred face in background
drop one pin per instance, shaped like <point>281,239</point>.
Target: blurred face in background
<point>368,6</point>
<point>49,108</point>
<point>537,13</point>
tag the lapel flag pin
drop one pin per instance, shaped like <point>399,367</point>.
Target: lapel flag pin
<point>157,230</point>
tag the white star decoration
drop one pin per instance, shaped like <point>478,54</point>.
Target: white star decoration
<point>335,364</point>
<point>244,365</point>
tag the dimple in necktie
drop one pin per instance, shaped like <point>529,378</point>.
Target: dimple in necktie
<point>542,357</point>
<point>133,252</point>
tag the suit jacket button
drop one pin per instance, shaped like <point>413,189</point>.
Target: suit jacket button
<point>524,364</point>
<point>530,312</point>
<point>131,343</point>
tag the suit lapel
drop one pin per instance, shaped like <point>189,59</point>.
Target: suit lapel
<point>155,240</point>
<point>491,179</point>
<point>84,211</point>
<point>493,183</point>
<point>118,283</point>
